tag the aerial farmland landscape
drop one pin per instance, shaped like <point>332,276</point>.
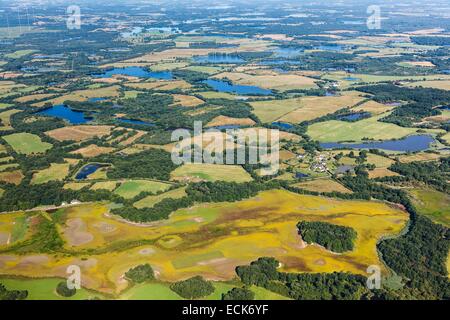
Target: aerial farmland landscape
<point>224,150</point>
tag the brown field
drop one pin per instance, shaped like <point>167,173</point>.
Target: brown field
<point>224,121</point>
<point>79,133</point>
<point>34,97</point>
<point>14,177</point>
<point>421,156</point>
<point>373,107</point>
<point>276,37</point>
<point>93,151</point>
<point>286,155</point>
<point>132,139</point>
<point>426,31</point>
<point>160,85</point>
<point>381,172</point>
<point>272,80</point>
<point>104,185</point>
<point>187,101</point>
<point>322,185</point>
<point>426,64</point>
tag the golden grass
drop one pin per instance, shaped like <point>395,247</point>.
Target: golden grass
<point>373,107</point>
<point>187,101</point>
<point>76,185</point>
<point>56,172</point>
<point>5,118</point>
<point>281,82</point>
<point>237,232</point>
<point>437,84</point>
<point>381,172</point>
<point>160,85</point>
<point>34,97</point>
<point>421,156</point>
<point>14,177</point>
<point>93,150</point>
<point>150,201</point>
<point>79,133</point>
<point>225,121</point>
<point>210,172</point>
<point>104,185</point>
<point>322,185</point>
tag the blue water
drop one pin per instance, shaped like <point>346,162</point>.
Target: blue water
<point>283,125</point>
<point>97,99</point>
<point>137,72</point>
<point>64,112</point>
<point>138,122</point>
<point>354,116</point>
<point>408,144</point>
<point>219,58</point>
<point>224,86</point>
<point>87,170</point>
<point>288,52</point>
<point>300,175</point>
<point>444,107</point>
<point>335,48</point>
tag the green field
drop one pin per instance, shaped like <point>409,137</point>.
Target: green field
<point>210,172</point>
<point>27,143</point>
<point>433,204</point>
<point>132,188</point>
<point>150,201</point>
<point>44,289</point>
<point>19,54</point>
<point>56,172</point>
<point>371,128</point>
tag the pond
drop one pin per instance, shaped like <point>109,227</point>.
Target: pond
<point>288,52</point>
<point>64,112</point>
<point>330,47</point>
<point>299,175</point>
<point>219,58</point>
<point>283,125</point>
<point>352,79</point>
<point>88,170</point>
<point>354,116</point>
<point>279,62</point>
<point>409,144</point>
<point>137,72</point>
<point>137,122</point>
<point>224,86</point>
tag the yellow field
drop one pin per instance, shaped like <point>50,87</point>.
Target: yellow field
<point>186,101</point>
<point>281,82</point>
<point>76,185</point>
<point>56,172</point>
<point>322,185</point>
<point>225,121</point>
<point>14,177</point>
<point>444,84</point>
<point>210,172</point>
<point>93,151</point>
<point>381,172</point>
<point>5,117</point>
<point>104,185</point>
<point>373,107</point>
<point>160,85</point>
<point>211,240</point>
<point>302,109</point>
<point>34,97</point>
<point>421,156</point>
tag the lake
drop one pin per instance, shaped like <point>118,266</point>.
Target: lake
<point>409,144</point>
<point>224,86</point>
<point>354,116</point>
<point>219,58</point>
<point>97,99</point>
<point>64,112</point>
<point>288,52</point>
<point>283,125</point>
<point>352,79</point>
<point>137,72</point>
<point>279,62</point>
<point>88,170</point>
<point>336,48</point>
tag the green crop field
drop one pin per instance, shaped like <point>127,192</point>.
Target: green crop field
<point>132,188</point>
<point>27,143</point>
<point>432,203</point>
